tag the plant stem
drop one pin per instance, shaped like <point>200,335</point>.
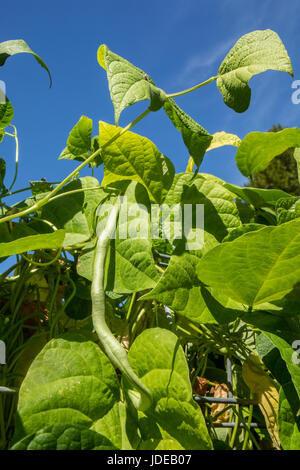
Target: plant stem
<point>249,422</point>
<point>235,429</point>
<point>47,198</point>
<point>188,90</point>
<point>190,165</point>
<point>133,297</point>
<point>17,158</point>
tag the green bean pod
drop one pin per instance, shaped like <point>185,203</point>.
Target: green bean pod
<point>139,395</point>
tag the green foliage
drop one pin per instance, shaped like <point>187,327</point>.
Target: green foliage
<point>111,330</point>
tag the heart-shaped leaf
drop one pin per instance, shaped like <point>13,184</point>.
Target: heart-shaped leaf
<point>128,84</point>
<point>17,46</point>
<point>257,267</point>
<point>253,53</point>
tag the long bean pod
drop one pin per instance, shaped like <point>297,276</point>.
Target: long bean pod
<point>139,395</point>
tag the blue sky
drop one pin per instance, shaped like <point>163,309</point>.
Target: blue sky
<point>178,43</point>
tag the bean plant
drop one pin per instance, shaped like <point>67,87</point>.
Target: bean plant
<point>129,301</point>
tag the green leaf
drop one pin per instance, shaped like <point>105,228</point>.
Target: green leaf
<point>253,53</point>
<point>287,209</point>
<point>17,46</point>
<point>195,137</point>
<point>257,267</point>
<point>256,196</point>
<point>284,368</point>
<point>258,149</point>
<point>127,83</point>
<point>245,228</point>
<point>220,211</point>
<point>273,322</point>
<point>116,425</point>
<point>180,289</point>
<point>70,382</point>
<point>75,212</point>
<point>64,437</point>
<point>40,187</point>
<point>132,157</point>
<point>6,113</point>
<point>219,139</point>
<point>79,140</point>
<point>158,359</point>
<point>33,242</point>
<point>289,425</point>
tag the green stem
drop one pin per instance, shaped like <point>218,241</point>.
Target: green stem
<point>249,422</point>
<point>48,263</point>
<point>67,193</point>
<point>190,165</point>
<point>188,90</point>
<point>64,306</point>
<point>133,297</point>
<point>47,198</point>
<point>17,159</point>
<point>235,429</point>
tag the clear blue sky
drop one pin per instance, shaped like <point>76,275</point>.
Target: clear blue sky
<point>177,42</point>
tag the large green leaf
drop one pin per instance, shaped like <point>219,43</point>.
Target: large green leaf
<point>289,425</point>
<point>17,46</point>
<point>64,437</point>
<point>180,289</point>
<point>128,84</point>
<point>195,137</point>
<point>220,211</point>
<point>158,359</point>
<point>132,157</point>
<point>43,241</point>
<point>253,53</point>
<point>257,267</point>
<point>75,212</point>
<point>71,382</point>
<point>257,196</point>
<point>6,114</point>
<point>258,149</point>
